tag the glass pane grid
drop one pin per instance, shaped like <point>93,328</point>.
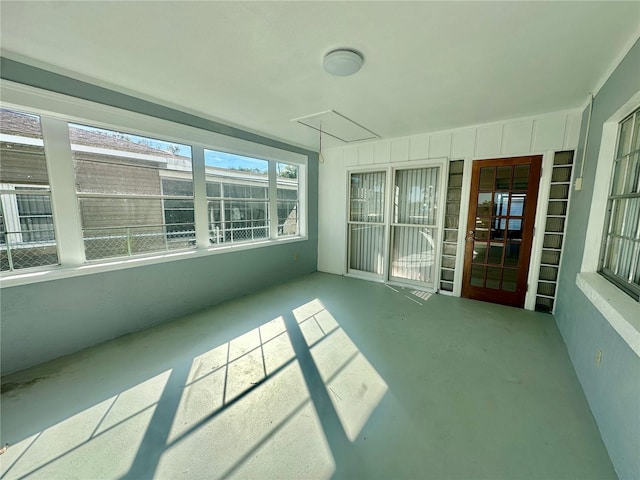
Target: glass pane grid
<point>620,256</point>
<point>450,237</point>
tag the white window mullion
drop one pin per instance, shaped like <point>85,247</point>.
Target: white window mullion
<point>200,207</point>
<point>64,203</point>
<point>273,200</point>
<point>11,214</point>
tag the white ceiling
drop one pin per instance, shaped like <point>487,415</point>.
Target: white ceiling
<point>428,65</point>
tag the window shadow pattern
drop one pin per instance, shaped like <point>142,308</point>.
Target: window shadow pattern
<point>285,399</point>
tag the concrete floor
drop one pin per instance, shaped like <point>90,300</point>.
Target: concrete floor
<point>324,377</point>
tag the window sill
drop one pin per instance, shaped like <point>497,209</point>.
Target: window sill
<point>618,308</point>
<point>56,272</point>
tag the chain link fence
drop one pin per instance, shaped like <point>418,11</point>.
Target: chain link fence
<point>110,242</point>
<point>18,250</point>
<point>126,241</point>
<point>238,231</point>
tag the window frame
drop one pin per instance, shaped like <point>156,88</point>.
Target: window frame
<point>57,110</point>
<point>616,306</point>
<point>630,288</point>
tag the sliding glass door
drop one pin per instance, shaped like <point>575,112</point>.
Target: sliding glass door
<point>366,222</point>
<point>414,225</point>
<point>402,245</point>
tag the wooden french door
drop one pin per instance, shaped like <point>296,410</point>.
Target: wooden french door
<point>499,231</point>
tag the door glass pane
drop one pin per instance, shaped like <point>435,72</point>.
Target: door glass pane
<point>479,252</point>
<point>515,229</point>
<point>482,228</point>
<point>512,255</point>
<point>486,178</point>
<point>503,178</point>
<point>516,208</point>
<point>366,244</point>
<point>500,203</point>
<point>484,204</point>
<point>477,275</point>
<point>498,225</point>
<point>412,254</point>
<point>493,277</point>
<point>509,279</point>
<point>495,253</point>
<point>520,177</point>
<point>416,194</point>
<point>367,197</point>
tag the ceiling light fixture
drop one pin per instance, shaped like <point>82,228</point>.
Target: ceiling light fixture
<point>342,62</point>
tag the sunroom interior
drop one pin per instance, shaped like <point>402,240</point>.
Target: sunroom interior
<point>221,260</point>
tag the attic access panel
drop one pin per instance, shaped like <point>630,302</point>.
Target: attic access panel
<point>337,126</point>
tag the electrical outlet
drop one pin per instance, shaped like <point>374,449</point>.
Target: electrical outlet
<point>598,357</point>
<point>295,257</point>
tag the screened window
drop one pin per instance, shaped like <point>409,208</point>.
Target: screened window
<point>27,235</point>
<point>237,197</point>
<point>135,193</point>
<point>620,258</point>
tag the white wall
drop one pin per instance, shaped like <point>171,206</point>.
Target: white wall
<point>524,136</point>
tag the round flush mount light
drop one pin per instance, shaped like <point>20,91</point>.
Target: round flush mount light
<point>342,62</point>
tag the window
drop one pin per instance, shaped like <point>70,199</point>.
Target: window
<point>135,193</point>
<point>620,255</point>
<point>238,197</point>
<point>27,235</point>
<point>117,184</point>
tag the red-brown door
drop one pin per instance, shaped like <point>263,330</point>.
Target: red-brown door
<point>499,232</point>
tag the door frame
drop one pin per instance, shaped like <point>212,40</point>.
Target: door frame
<point>516,297</point>
<point>540,219</point>
<point>390,169</point>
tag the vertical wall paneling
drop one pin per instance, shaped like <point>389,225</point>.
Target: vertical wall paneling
<point>554,231</point>
<point>517,137</point>
<point>418,147</point>
<point>549,132</point>
<point>451,226</point>
<point>382,151</point>
<point>572,131</point>
<point>365,154</point>
<point>350,156</point>
<point>400,150</point>
<point>489,140</point>
<point>440,145</point>
<point>463,143</point>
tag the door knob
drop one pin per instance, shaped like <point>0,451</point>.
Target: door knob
<point>470,236</point>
